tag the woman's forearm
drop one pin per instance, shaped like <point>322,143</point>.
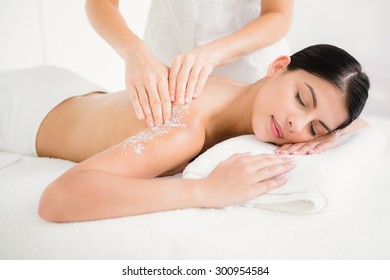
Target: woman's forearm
<point>94,195</point>
<point>356,125</point>
<point>106,19</point>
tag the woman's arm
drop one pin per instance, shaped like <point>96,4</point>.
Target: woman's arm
<point>356,125</point>
<point>120,181</point>
<point>146,77</point>
<point>190,71</point>
<point>322,143</point>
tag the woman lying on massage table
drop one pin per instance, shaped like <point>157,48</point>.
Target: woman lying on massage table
<point>303,100</point>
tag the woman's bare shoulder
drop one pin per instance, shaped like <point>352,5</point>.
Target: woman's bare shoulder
<point>225,81</point>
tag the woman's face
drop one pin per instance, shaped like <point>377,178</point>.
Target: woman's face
<point>295,106</point>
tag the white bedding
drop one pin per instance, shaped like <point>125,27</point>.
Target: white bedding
<point>358,228</point>
<point>313,185</point>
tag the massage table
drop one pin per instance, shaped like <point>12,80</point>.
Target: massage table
<point>354,225</point>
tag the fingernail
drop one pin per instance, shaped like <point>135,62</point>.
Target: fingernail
<point>172,98</point>
<point>293,153</point>
<point>310,152</point>
<point>188,100</point>
<point>151,124</point>
<point>181,101</point>
<point>196,94</point>
<point>140,117</point>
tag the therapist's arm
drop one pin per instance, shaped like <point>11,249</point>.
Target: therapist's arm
<point>146,77</point>
<point>190,71</point>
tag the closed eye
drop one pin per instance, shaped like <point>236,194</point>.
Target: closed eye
<point>312,132</point>
<point>299,99</point>
<point>311,126</point>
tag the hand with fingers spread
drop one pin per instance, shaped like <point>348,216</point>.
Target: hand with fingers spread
<point>188,75</point>
<point>147,81</point>
<point>243,177</point>
<point>315,146</point>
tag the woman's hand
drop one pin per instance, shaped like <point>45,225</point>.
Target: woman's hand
<point>243,177</point>
<point>147,81</point>
<point>315,146</point>
<point>188,75</point>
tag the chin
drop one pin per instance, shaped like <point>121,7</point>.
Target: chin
<point>266,136</point>
<point>265,139</point>
<point>260,138</point>
<point>273,143</point>
<point>278,142</point>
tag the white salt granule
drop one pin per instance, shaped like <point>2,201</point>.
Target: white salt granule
<point>136,143</point>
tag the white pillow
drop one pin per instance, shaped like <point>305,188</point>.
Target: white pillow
<point>318,180</point>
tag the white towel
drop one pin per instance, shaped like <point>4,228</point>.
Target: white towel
<point>8,158</point>
<point>317,182</point>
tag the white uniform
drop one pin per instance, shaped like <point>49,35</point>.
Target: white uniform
<point>177,26</point>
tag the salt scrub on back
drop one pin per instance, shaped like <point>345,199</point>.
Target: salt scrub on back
<point>136,143</point>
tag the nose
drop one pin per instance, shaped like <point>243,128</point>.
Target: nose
<point>296,123</point>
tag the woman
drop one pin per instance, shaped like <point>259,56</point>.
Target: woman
<point>235,38</point>
<point>298,105</point>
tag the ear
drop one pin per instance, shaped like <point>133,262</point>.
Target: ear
<point>279,65</point>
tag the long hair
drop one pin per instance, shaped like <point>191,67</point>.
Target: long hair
<point>338,67</point>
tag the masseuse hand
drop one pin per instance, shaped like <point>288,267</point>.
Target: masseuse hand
<point>315,146</point>
<point>188,75</point>
<point>147,81</point>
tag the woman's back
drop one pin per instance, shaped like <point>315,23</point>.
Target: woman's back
<point>82,126</point>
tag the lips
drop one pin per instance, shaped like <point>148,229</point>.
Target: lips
<point>276,130</point>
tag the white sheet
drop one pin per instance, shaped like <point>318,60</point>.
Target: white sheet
<point>357,229</point>
<point>313,184</point>
<point>8,158</point>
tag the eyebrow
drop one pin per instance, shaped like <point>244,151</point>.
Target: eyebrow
<point>313,95</point>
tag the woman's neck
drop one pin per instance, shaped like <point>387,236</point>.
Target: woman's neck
<point>236,118</point>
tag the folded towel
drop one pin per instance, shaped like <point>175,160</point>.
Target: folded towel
<point>8,158</point>
<point>317,182</point>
